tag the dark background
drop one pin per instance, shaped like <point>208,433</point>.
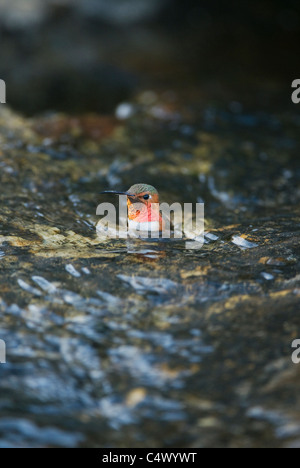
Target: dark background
<point>81,56</point>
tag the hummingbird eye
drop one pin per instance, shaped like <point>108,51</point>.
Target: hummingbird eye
<point>146,197</point>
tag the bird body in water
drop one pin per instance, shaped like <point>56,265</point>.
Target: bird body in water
<point>146,218</point>
<point>143,208</point>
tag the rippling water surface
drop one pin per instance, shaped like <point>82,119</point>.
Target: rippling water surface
<point>135,343</point>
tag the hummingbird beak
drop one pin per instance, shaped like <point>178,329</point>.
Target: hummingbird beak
<point>115,192</point>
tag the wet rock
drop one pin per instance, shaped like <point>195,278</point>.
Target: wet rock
<point>147,342</point>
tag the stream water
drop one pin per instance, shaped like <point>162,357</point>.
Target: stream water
<point>112,343</point>
<point>118,343</point>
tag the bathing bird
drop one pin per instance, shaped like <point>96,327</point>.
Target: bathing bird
<point>143,207</point>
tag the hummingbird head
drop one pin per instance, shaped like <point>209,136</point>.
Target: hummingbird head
<point>144,193</point>
<point>140,197</point>
<point>140,206</point>
<point>138,193</point>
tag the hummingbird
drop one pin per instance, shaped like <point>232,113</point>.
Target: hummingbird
<point>143,207</point>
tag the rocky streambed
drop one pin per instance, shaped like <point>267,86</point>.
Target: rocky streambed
<point>110,344</point>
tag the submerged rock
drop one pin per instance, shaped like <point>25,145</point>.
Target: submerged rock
<point>148,343</point>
